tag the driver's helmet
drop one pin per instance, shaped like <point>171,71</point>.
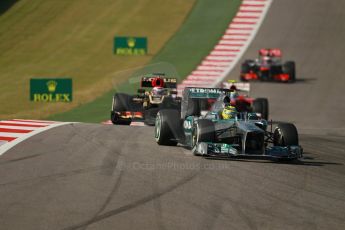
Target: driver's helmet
<point>229,112</point>
<point>266,58</point>
<point>158,91</point>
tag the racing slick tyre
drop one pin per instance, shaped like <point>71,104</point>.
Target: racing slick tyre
<point>260,105</point>
<point>193,107</point>
<point>168,127</point>
<point>120,104</point>
<point>117,120</point>
<point>203,132</point>
<point>170,103</point>
<point>290,68</point>
<point>285,134</point>
<point>151,113</point>
<point>150,116</point>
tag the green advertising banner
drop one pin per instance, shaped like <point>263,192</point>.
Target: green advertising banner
<point>130,45</point>
<point>51,90</point>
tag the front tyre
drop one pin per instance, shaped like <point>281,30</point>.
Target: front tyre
<point>285,134</point>
<point>204,131</point>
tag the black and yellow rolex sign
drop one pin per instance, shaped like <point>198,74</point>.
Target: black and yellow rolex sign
<point>51,90</point>
<point>130,45</point>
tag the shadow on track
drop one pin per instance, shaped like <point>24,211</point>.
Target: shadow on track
<point>305,80</point>
<point>305,161</point>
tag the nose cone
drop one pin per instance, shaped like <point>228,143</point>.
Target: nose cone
<point>248,127</point>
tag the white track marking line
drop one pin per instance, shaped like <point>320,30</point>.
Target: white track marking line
<point>8,145</point>
<point>5,134</point>
<point>253,8</point>
<point>211,63</point>
<point>34,121</point>
<point>201,67</point>
<point>220,58</point>
<point>224,52</point>
<point>245,20</point>
<point>243,36</point>
<point>18,127</point>
<point>222,47</point>
<point>209,73</point>
<point>198,78</point>
<point>250,39</point>
<point>235,41</point>
<point>240,26</point>
<point>206,80</point>
<point>243,14</point>
<point>25,123</point>
<point>230,42</point>
<point>239,30</point>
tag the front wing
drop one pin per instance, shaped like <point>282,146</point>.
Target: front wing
<point>223,149</point>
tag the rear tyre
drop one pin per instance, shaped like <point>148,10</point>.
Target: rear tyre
<point>120,104</point>
<point>285,134</point>
<point>150,116</point>
<point>117,120</point>
<point>170,103</point>
<point>193,108</point>
<point>167,127</point>
<point>290,68</point>
<point>260,105</point>
<point>151,113</point>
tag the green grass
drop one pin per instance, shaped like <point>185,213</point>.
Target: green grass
<point>182,53</point>
<point>74,38</point>
<point>198,35</point>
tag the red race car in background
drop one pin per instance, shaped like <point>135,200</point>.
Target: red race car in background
<point>268,67</point>
<point>243,102</point>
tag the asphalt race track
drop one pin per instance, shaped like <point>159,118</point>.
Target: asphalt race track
<point>311,33</point>
<point>89,176</point>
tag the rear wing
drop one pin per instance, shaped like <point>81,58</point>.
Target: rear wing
<point>204,93</point>
<point>150,82</point>
<point>196,99</point>
<point>238,86</point>
<point>270,52</point>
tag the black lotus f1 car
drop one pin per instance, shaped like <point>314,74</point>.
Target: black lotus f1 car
<point>156,92</point>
